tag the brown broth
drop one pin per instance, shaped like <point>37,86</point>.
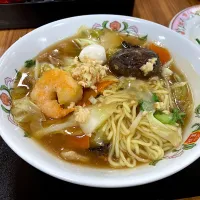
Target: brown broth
<point>56,143</point>
<point>64,48</point>
<point>187,104</point>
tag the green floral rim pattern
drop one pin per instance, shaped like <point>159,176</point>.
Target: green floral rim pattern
<point>122,27</point>
<point>5,98</point>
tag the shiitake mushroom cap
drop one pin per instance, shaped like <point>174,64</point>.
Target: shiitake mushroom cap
<point>128,61</point>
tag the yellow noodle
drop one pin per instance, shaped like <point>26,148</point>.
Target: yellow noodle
<point>141,142</point>
<point>127,114</point>
<point>161,92</point>
<point>149,134</point>
<point>137,136</point>
<point>126,107</point>
<point>118,136</point>
<point>124,131</point>
<point>129,133</point>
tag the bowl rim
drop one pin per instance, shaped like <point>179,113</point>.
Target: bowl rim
<point>104,183</point>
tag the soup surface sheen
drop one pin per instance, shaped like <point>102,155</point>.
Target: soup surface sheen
<point>103,99</point>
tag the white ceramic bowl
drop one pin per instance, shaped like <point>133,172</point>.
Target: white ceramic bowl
<point>187,57</point>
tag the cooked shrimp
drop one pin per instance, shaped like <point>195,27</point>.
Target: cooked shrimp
<point>54,89</point>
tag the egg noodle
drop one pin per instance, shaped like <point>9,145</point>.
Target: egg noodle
<point>129,133</point>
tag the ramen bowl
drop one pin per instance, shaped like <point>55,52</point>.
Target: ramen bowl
<point>187,59</point>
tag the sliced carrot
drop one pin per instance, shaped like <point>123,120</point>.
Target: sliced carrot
<point>163,53</point>
<point>101,86</point>
<point>77,142</point>
<point>87,93</point>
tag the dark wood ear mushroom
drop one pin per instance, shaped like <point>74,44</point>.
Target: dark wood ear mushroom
<point>132,61</point>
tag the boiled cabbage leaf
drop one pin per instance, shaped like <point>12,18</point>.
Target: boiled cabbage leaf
<point>82,42</point>
<point>164,131</point>
<point>98,115</point>
<point>24,110</point>
<point>54,128</point>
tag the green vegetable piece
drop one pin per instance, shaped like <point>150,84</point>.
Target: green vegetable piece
<point>178,116</point>
<point>164,131</point>
<point>26,135</point>
<point>198,41</point>
<point>18,74</point>
<point>29,63</point>
<point>155,98</point>
<point>143,38</point>
<point>164,118</point>
<point>175,117</point>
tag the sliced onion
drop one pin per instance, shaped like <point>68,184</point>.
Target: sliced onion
<point>92,100</point>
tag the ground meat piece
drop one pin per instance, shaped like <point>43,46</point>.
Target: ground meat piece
<point>101,150</point>
<point>73,156</point>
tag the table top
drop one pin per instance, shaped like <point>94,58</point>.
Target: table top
<point>25,182</point>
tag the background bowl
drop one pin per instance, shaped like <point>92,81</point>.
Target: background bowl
<point>187,58</point>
